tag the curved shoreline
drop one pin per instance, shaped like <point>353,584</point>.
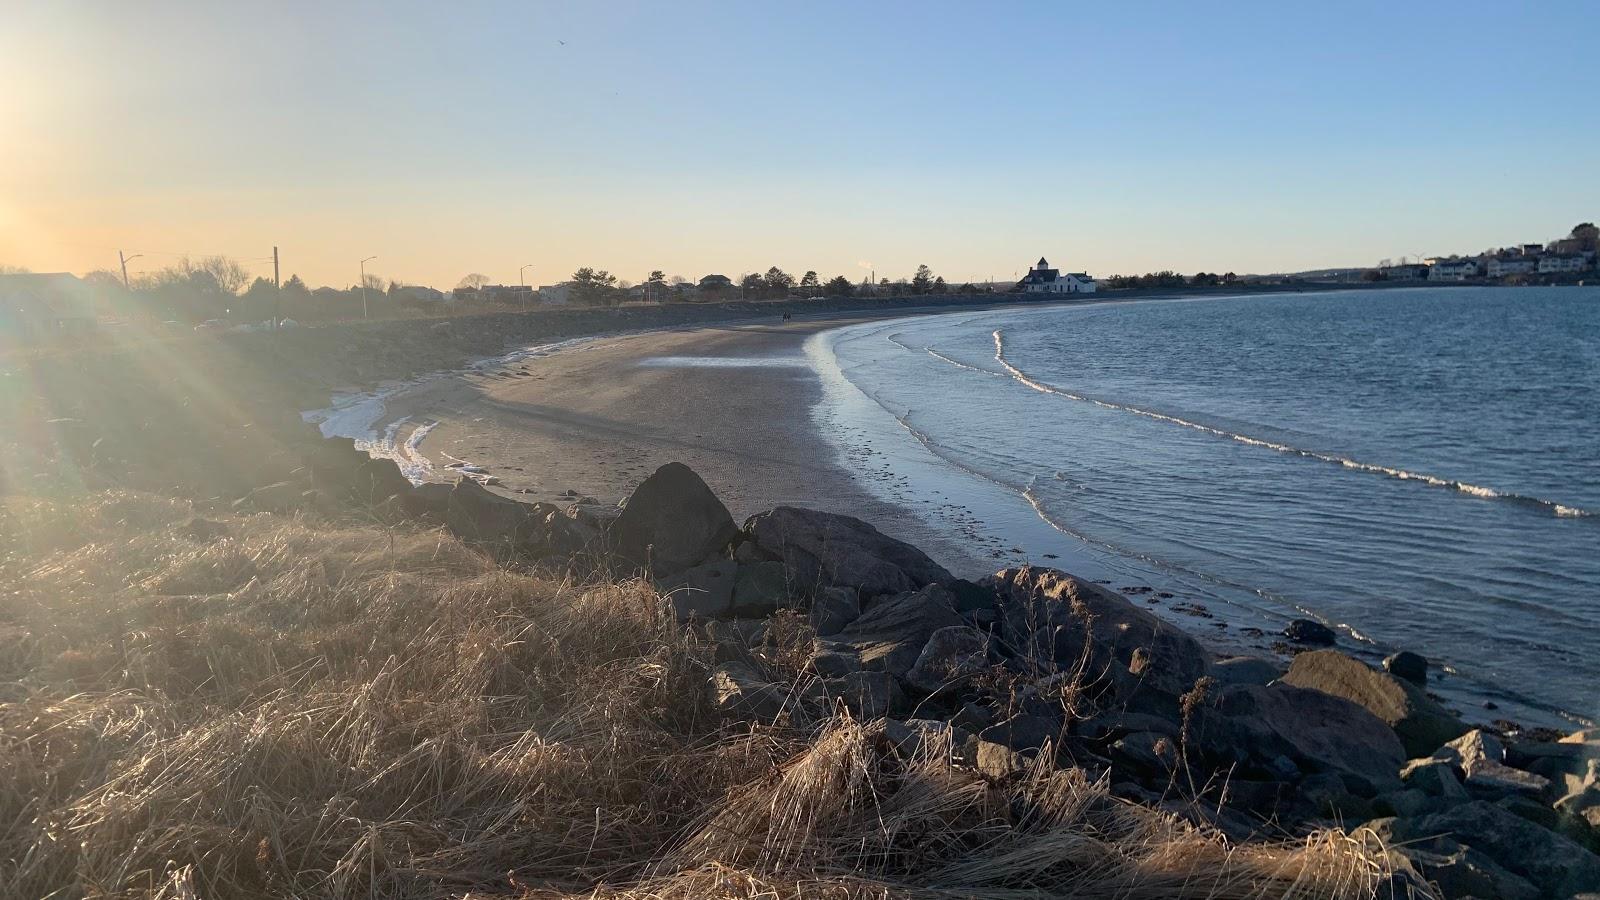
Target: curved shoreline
<point>589,416</point>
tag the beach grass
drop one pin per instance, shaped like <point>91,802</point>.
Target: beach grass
<point>209,706</point>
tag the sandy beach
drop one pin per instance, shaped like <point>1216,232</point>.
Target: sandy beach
<point>733,402</point>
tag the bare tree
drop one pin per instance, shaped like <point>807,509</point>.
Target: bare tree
<point>475,281</point>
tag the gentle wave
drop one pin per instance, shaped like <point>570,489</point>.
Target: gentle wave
<point>1474,490</point>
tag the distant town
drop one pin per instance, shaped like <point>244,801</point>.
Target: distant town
<point>218,293</point>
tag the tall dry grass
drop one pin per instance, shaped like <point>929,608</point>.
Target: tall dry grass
<point>265,706</point>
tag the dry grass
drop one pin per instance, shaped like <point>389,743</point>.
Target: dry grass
<point>262,706</point>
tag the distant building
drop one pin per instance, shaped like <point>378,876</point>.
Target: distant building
<point>1453,270</point>
<point>654,292</point>
<point>520,294</point>
<point>416,293</point>
<point>1405,272</point>
<point>1531,249</point>
<point>1557,264</point>
<point>556,294</point>
<point>1041,279</point>
<point>1501,266</point>
<point>714,283</point>
<point>42,306</point>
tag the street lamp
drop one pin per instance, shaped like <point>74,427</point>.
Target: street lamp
<point>364,285</point>
<point>520,280</point>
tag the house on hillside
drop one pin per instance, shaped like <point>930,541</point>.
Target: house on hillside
<point>715,284</point>
<point>1558,263</point>
<point>41,306</point>
<point>1502,266</point>
<point>1041,279</point>
<point>1453,270</point>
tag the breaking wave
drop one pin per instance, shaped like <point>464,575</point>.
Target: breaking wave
<point>1488,493</point>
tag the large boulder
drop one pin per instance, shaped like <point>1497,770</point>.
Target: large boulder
<point>1422,724</point>
<point>702,592</point>
<point>535,531</point>
<point>1055,621</point>
<point>826,549</point>
<point>891,634</point>
<point>1317,732</point>
<point>1458,870</point>
<point>951,655</point>
<point>672,521</point>
<point>1556,865</point>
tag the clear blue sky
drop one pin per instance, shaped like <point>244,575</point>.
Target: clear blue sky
<point>726,137</point>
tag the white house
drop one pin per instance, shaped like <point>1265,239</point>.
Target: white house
<point>1453,270</point>
<point>1557,263</point>
<point>1041,279</point>
<point>1500,267</point>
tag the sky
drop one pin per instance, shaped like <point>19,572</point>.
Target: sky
<point>449,138</point>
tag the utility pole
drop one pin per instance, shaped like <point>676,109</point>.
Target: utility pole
<point>124,261</point>
<point>364,285</point>
<point>277,292</point>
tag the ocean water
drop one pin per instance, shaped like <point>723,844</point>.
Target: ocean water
<point>1420,468</point>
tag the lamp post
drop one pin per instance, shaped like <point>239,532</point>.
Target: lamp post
<point>520,280</point>
<point>364,285</point>
<point>124,261</point>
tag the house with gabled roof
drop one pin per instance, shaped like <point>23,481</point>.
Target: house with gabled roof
<point>1042,279</point>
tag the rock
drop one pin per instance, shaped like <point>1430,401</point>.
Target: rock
<point>672,521</point>
<point>1410,666</point>
<point>703,592</point>
<point>744,633</point>
<point>1556,865</point>
<point>475,514</point>
<point>868,695</point>
<point>890,635</point>
<point>429,502</point>
<point>973,717</point>
<point>1147,749</point>
<point>1435,778</point>
<point>950,655</point>
<point>996,760</point>
<point>1112,725</point>
<point>1318,732</point>
<point>834,608</point>
<point>1481,755</point>
<point>1048,617</point>
<point>376,480</point>
<point>825,549</point>
<point>1305,631</point>
<point>1023,732</point>
<point>739,692</point>
<point>761,589</point>
<point>829,662</point>
<point>1405,803</point>
<point>922,736</point>
<point>1246,670</point>
<point>1329,796</point>
<point>1421,723</point>
<point>1458,870</point>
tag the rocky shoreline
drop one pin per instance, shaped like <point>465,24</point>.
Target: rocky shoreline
<point>1033,667</point>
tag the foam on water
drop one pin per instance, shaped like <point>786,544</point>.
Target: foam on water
<point>1474,490</point>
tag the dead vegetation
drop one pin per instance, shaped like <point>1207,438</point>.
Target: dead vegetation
<point>267,706</point>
